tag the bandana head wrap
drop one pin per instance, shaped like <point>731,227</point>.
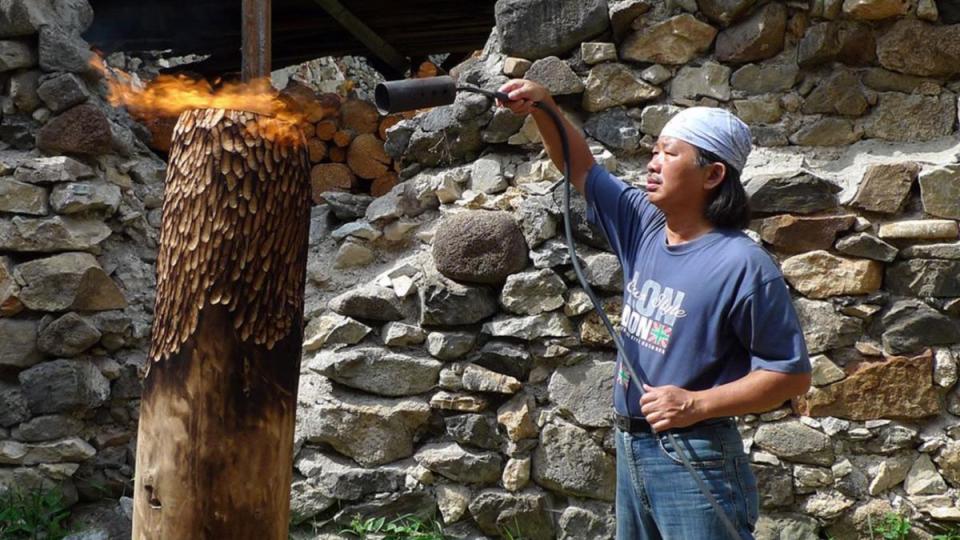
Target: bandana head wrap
<point>714,130</point>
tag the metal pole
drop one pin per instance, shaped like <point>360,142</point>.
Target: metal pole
<point>256,32</point>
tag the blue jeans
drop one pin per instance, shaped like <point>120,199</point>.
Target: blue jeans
<point>657,498</point>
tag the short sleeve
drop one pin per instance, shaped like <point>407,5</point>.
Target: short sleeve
<point>767,325</point>
<point>621,210</point>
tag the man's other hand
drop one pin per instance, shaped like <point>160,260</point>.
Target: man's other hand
<point>667,407</point>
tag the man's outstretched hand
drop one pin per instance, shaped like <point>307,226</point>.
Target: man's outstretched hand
<point>523,94</point>
<point>667,407</point>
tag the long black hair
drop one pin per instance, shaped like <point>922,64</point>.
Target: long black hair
<point>729,206</point>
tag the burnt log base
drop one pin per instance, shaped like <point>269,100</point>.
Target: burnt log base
<point>215,438</point>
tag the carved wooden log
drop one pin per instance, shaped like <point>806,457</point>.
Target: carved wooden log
<point>214,454</point>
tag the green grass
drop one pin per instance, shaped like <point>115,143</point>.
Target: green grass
<point>33,515</point>
<point>406,527</point>
<point>893,527</point>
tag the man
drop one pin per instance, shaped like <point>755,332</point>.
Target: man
<point>707,320</point>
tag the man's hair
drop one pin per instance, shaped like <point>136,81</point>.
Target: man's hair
<point>729,206</point>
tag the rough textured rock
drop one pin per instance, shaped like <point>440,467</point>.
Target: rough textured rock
<point>446,302</point>
<point>479,247</point>
<point>923,478</point>
<point>674,41</point>
<point>896,388</point>
<point>940,191</point>
<point>525,514</point>
<point>796,234</point>
<point>450,345</point>
<point>585,390</point>
<point>757,38</point>
<point>54,169</point>
<point>62,49</point>
<point>530,293</point>
<point>849,42</point>
<point>459,464</point>
<point>13,405</point>
<point>764,78</point>
<point>569,461</point>
<point>797,192</point>
<point>70,281</point>
<point>586,519</point>
<point>611,85</point>
<point>725,12</point>
<point>368,302</point>
<point>16,55</point>
<point>19,338</point>
<point>911,325</point>
<point>873,10</point>
<point>901,117</point>
<point>51,234</point>
<point>868,246</point>
<point>62,91</point>
<point>334,329</point>
<point>476,430</point>
<point>20,198</point>
<point>819,274</point>
<point>615,129</point>
<point>530,327</point>
<point>827,132</point>
<point>516,417</point>
<point>795,441</point>
<point>924,277</point>
<point>555,75</point>
<point>68,336</point>
<point>884,188</point>
<point>83,129</point>
<point>919,229</point>
<point>824,328</point>
<point>710,80</point>
<point>841,94</point>
<point>896,50</point>
<point>64,386</point>
<point>370,430</point>
<point>85,197</point>
<point>522,34</point>
<point>378,371</point>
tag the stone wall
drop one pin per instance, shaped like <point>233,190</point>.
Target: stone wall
<point>463,370</point>
<point>80,199</point>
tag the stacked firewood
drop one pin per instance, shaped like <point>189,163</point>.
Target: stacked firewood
<point>346,149</point>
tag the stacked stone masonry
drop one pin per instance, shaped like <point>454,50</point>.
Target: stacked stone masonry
<point>452,363</point>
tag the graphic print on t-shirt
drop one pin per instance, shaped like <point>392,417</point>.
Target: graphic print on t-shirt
<point>650,312</point>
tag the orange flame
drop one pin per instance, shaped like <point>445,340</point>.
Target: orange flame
<point>169,95</point>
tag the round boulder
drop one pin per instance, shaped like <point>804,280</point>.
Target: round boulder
<point>479,247</point>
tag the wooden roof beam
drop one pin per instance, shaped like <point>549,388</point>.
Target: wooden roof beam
<point>380,48</point>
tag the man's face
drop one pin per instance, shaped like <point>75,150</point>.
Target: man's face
<point>675,182</point>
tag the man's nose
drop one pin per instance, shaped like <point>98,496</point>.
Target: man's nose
<point>654,164</point>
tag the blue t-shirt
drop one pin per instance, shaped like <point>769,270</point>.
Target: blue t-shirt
<point>698,314</point>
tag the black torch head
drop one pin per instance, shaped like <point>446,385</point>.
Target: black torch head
<point>410,94</point>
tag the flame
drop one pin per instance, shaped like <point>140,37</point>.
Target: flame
<point>169,95</point>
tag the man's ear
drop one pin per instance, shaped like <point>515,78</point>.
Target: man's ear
<point>718,171</point>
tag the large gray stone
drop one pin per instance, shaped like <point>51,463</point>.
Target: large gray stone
<point>64,386</point>
<point>537,220</point>
<point>450,345</point>
<point>522,32</point>
<point>13,405</point>
<point>757,38</point>
<point>19,338</point>
<point>505,357</point>
<point>611,85</point>
<point>710,80</point>
<point>827,131</point>
<point>897,50</point>
<point>459,464</point>
<point>525,514</point>
<point>72,449</point>
<point>849,42</point>
<point>586,519</point>
<point>568,461</point>
<point>840,94</point>
<point>64,50</point>
<point>333,329</point>
<point>530,293</point>
<point>674,41</point>
<point>49,170</point>
<point>370,430</point>
<point>475,430</point>
<point>16,55</point>
<point>70,281</point>
<point>603,271</point>
<point>555,75</point>
<point>615,129</point>
<point>912,325</point>
<point>27,17</point>
<point>797,192</point>
<point>940,191</point>
<point>585,390</point>
<point>48,428</point>
<point>825,329</point>
<point>654,117</point>
<point>83,129</point>
<point>337,477</point>
<point>910,118</point>
<point>378,371</point>
<point>765,78</point>
<point>623,13</point>
<point>868,246</point>
<point>371,302</point>
<point>62,91</point>
<point>796,442</point>
<point>20,198</point>
<point>530,327</point>
<point>68,336</point>
<point>85,197</point>
<point>884,187</point>
<point>924,277</point>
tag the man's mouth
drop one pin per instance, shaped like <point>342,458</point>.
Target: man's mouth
<point>653,182</point>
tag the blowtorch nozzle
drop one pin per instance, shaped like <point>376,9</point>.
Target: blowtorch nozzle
<point>407,95</point>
